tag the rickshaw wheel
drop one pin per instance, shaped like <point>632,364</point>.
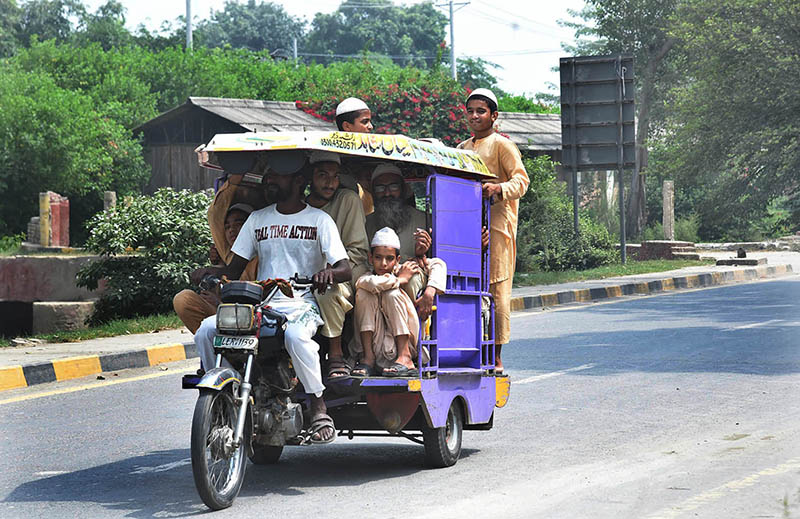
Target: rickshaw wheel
<point>443,444</point>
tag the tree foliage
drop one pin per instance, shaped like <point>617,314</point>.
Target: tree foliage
<point>545,237</point>
<point>255,26</point>
<point>54,139</point>
<point>733,129</point>
<point>408,35</point>
<point>640,28</point>
<point>148,244</point>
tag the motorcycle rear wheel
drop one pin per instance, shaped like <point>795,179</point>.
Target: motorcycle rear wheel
<point>218,469</point>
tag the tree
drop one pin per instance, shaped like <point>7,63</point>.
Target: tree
<point>731,135</point>
<point>9,27</point>
<point>172,231</point>
<point>255,26</point>
<point>476,73</point>
<point>641,28</point>
<point>409,35</point>
<point>106,26</point>
<point>53,139</point>
<point>49,19</point>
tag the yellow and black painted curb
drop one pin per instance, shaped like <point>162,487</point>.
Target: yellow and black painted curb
<point>13,377</point>
<point>651,287</point>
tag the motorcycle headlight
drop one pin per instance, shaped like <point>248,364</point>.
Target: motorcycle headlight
<point>235,318</point>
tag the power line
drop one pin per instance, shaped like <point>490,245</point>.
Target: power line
<point>422,56</point>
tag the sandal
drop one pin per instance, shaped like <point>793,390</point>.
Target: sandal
<point>363,370</point>
<point>318,423</point>
<point>338,368</point>
<point>399,370</point>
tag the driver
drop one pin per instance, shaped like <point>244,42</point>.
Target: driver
<point>289,237</point>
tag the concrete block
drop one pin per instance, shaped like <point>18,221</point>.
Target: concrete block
<point>742,261</point>
<point>59,316</point>
<point>43,278</point>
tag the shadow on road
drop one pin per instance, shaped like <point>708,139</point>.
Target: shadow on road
<point>161,482</point>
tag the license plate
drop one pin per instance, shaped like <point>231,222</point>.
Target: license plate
<point>235,343</point>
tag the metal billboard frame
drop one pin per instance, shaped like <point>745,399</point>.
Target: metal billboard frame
<point>598,121</point>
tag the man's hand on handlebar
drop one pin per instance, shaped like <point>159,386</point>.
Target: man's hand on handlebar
<point>323,280</point>
<point>197,276</point>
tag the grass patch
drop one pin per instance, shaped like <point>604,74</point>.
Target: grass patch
<point>152,323</point>
<point>526,279</point>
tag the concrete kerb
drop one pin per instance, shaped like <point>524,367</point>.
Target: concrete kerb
<point>650,287</point>
<point>14,377</point>
<point>20,376</point>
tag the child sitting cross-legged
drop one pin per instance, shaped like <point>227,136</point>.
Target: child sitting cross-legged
<point>384,313</point>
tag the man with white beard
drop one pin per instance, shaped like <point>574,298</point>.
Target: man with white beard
<point>390,191</point>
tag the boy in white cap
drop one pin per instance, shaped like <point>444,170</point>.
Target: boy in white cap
<point>503,158</point>
<point>344,206</point>
<point>385,315</point>
<point>353,115</point>
<point>391,210</point>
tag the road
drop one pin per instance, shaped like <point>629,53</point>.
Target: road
<point>679,405</point>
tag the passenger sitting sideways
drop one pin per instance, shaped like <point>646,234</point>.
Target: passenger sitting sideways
<point>385,315</point>
<point>193,307</point>
<point>391,210</point>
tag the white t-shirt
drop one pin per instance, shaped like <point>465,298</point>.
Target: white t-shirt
<point>286,244</point>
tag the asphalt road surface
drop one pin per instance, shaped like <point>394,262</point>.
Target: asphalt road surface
<point>679,405</point>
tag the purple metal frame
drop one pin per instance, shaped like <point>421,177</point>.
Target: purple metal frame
<point>461,355</point>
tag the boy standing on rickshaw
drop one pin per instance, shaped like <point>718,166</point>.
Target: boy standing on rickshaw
<point>503,158</point>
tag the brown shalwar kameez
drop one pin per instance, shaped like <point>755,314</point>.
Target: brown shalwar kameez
<point>503,158</point>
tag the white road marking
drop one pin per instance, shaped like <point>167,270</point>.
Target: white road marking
<point>753,325</point>
<point>721,491</point>
<point>103,383</point>
<point>48,473</point>
<point>162,468</point>
<point>543,376</point>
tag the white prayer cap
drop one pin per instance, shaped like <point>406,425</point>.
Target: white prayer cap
<point>351,104</point>
<point>485,92</point>
<point>385,167</point>
<point>386,237</point>
<point>324,156</point>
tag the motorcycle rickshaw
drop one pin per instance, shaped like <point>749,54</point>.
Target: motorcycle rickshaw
<point>256,409</point>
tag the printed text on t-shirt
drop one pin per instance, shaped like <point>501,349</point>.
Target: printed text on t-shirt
<point>292,232</point>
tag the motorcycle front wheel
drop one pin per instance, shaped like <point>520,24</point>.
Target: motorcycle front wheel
<point>218,468</point>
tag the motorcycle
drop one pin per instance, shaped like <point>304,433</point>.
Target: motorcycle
<point>251,414</point>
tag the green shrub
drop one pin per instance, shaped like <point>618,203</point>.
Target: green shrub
<point>11,244</point>
<point>545,237</point>
<point>686,229</point>
<point>149,245</point>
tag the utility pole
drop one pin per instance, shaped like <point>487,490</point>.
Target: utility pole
<point>452,45</point>
<point>188,24</point>
<point>450,4</point>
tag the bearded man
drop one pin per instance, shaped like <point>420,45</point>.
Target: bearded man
<point>390,191</point>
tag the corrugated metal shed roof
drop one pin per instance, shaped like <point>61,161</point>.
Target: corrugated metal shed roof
<point>540,132</point>
<point>532,131</point>
<point>262,116</point>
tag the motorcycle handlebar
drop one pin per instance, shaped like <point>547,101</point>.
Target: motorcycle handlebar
<point>299,282</point>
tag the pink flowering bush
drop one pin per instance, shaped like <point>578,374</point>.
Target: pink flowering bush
<point>417,110</point>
